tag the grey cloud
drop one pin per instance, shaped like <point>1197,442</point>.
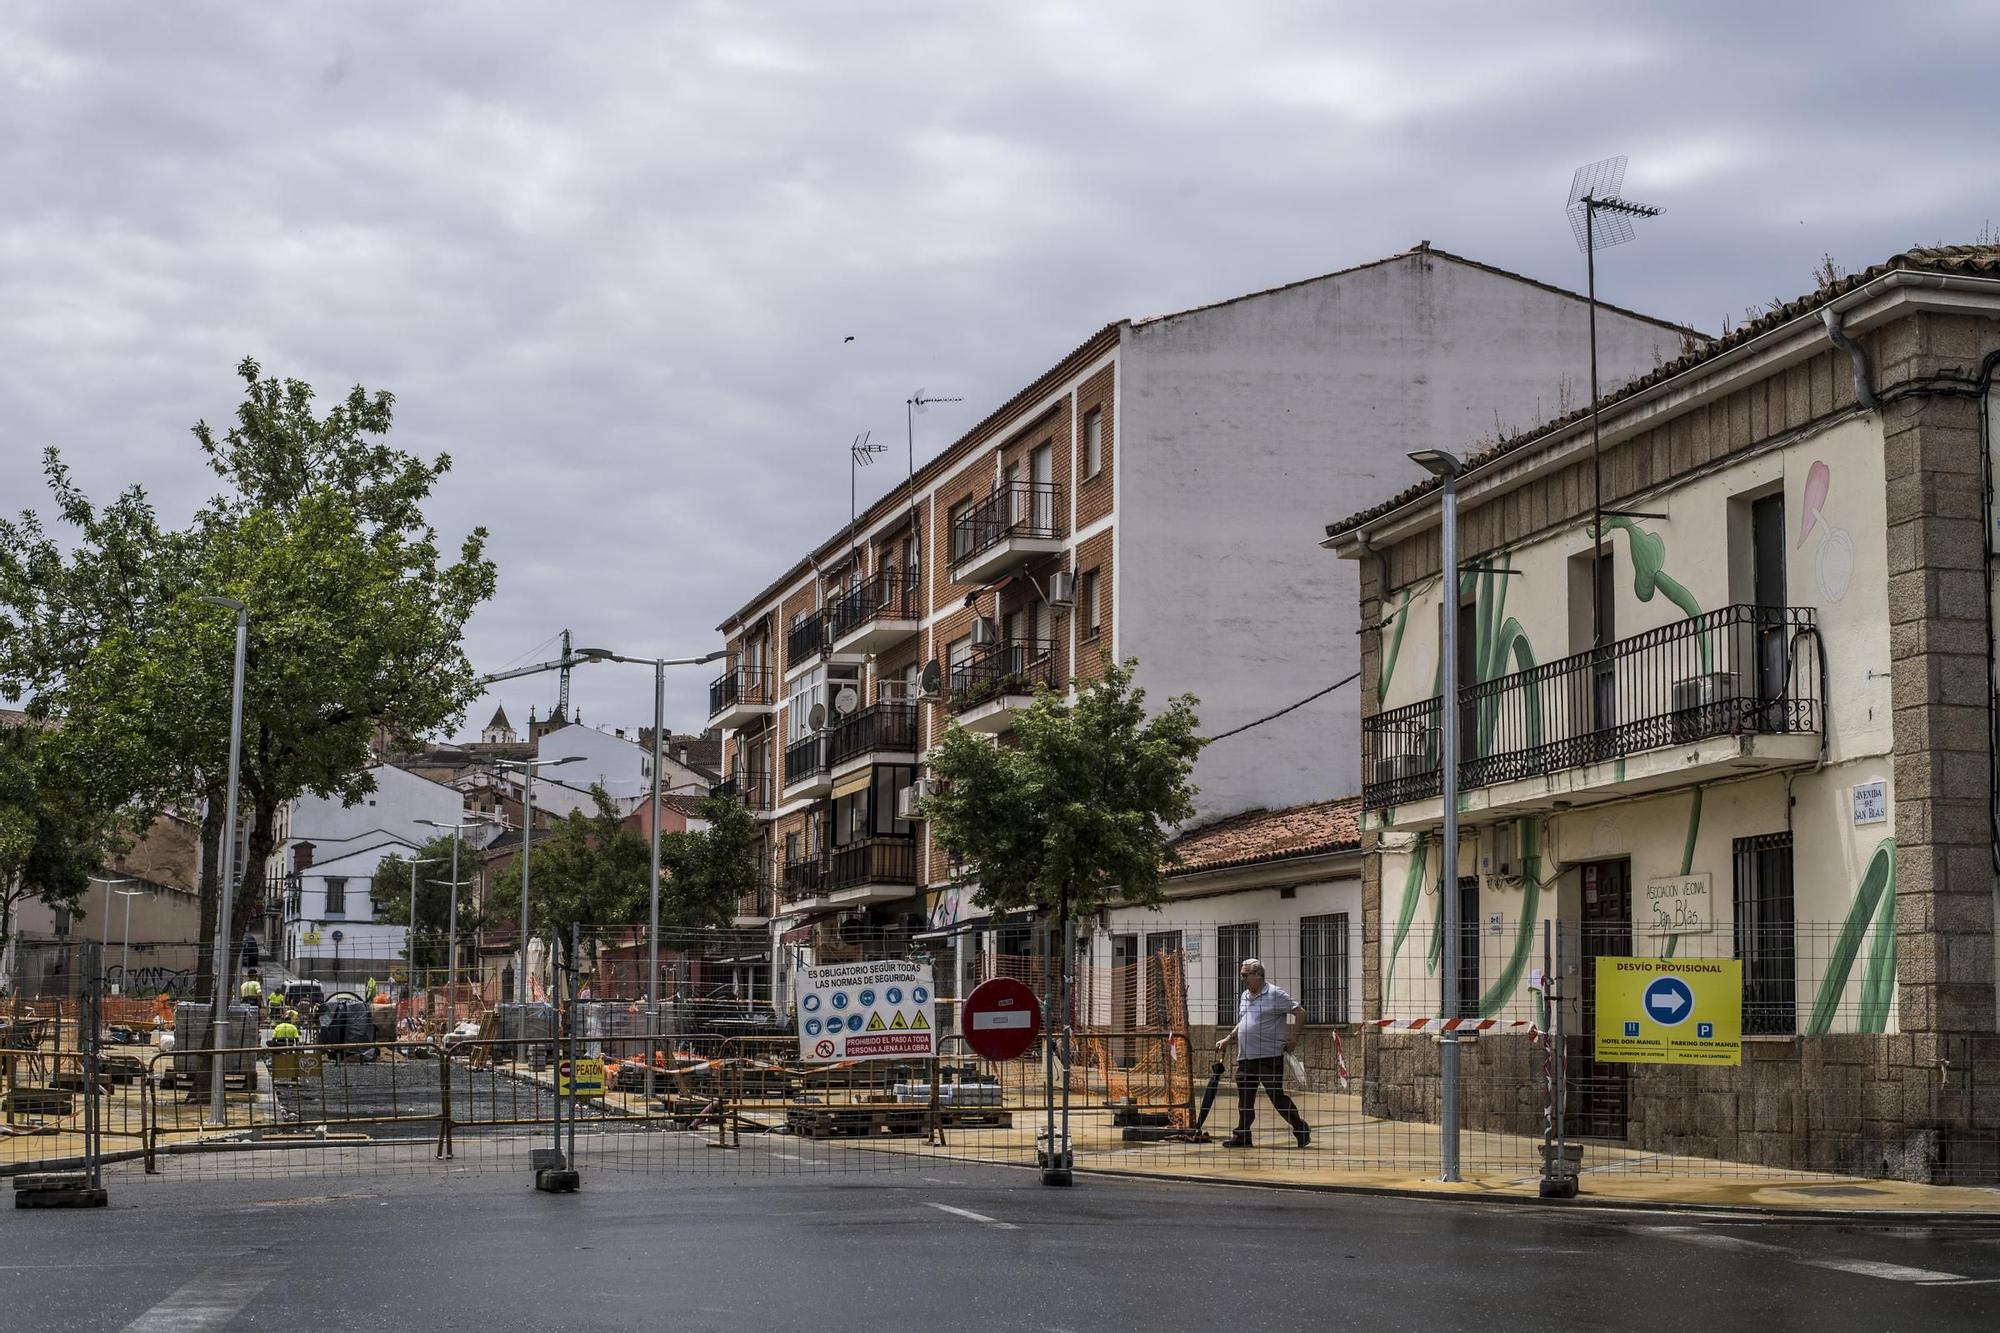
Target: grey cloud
<point>606,255</point>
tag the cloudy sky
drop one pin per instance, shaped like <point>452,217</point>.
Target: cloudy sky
<point>607,256</point>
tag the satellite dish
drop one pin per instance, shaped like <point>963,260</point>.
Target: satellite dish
<point>932,678</point>
<point>817,717</point>
<point>844,701</point>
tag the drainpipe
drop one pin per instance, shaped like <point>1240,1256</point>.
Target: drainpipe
<point>1864,392</point>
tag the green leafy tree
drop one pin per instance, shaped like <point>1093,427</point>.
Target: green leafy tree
<point>1079,812</point>
<point>705,872</point>
<point>390,889</point>
<point>590,870</point>
<point>53,835</point>
<point>356,617</point>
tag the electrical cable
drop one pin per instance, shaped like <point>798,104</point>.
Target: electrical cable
<point>1235,731</point>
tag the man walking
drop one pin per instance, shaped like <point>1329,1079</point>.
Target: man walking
<point>1267,1019</point>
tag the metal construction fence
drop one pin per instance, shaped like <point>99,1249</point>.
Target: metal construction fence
<point>1125,1075</point>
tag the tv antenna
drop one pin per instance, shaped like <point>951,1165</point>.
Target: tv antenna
<point>859,455</point>
<point>1601,217</point>
<point>916,404</point>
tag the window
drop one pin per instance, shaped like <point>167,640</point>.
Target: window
<point>794,847</point>
<point>1764,933</point>
<point>1086,606</point>
<point>1323,967</point>
<point>1093,442</point>
<point>1468,953</point>
<point>1232,945</point>
<point>336,897</point>
<point>807,690</point>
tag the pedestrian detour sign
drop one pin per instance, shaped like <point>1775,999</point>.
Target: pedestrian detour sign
<point>867,1011</point>
<point>1670,1011</point>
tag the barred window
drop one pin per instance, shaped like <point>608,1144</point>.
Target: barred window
<point>1323,967</point>
<point>1232,945</point>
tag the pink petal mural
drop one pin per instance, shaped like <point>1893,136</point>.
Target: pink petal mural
<point>1818,478</point>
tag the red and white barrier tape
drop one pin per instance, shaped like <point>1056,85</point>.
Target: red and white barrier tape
<point>1524,1025</point>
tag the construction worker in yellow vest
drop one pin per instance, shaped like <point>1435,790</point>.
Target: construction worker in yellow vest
<point>251,991</point>
<point>368,992</point>
<point>286,1033</point>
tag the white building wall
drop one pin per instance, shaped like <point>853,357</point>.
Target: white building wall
<point>1242,427</point>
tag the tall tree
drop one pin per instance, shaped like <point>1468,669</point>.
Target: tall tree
<point>356,616</point>
<point>1081,810</point>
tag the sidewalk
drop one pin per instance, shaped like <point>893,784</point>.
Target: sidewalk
<point>1352,1151</point>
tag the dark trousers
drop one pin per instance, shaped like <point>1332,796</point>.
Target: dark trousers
<point>1266,1072</point>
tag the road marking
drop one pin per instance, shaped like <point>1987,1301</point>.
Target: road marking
<point>1887,1271</point>
<point>205,1303</point>
<point>1874,1268</point>
<point>972,1216</point>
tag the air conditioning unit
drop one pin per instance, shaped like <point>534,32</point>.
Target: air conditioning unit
<point>909,801</point>
<point>1397,767</point>
<point>983,632</point>
<point>1701,705</point>
<point>1062,588</point>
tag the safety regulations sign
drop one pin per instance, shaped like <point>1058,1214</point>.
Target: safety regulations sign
<point>1670,1011</point>
<point>867,1011</point>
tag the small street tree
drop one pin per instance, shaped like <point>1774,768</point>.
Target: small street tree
<point>390,888</point>
<point>1077,813</point>
<point>53,834</point>
<point>706,872</point>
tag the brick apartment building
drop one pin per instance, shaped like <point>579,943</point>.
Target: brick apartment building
<point>1783,754</point>
<point>1157,493</point>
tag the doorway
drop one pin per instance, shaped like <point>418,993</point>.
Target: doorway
<point>1599,1095</point>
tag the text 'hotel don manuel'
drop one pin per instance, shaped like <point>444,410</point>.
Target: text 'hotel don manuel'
<point>1779,748</point>
<point>1158,494</point>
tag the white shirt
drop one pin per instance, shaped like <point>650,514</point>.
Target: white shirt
<point>1260,1022</point>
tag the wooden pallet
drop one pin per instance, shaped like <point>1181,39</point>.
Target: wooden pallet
<point>858,1122</point>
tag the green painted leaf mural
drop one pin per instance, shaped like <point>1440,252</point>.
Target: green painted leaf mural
<point>1687,860</point>
<point>1877,885</point>
<point>1501,992</point>
<point>1413,892</point>
<point>1393,649</point>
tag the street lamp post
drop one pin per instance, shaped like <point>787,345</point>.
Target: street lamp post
<point>451,924</point>
<point>528,767</point>
<point>224,972</point>
<point>659,665</point>
<point>107,883</point>
<point>410,934</point>
<point>1445,467</point>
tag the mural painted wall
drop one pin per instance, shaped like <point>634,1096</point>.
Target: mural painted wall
<point>1527,608</point>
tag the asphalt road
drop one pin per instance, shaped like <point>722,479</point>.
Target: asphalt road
<point>951,1248</point>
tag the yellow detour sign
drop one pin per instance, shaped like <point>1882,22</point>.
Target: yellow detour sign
<point>589,1080</point>
<point>1670,1011</point>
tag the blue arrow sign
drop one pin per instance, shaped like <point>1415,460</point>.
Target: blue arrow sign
<point>1669,1001</point>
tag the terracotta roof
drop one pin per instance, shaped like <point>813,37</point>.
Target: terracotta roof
<point>1270,835</point>
<point>1980,260</point>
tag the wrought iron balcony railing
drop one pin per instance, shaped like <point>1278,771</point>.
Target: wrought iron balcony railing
<point>749,788</point>
<point>1015,509</point>
<point>879,727</point>
<point>804,758</point>
<point>805,639</point>
<point>888,595</point>
<point>1738,670</point>
<point>739,685</point>
<point>801,880</point>
<point>1012,666</point>
<point>872,861</point>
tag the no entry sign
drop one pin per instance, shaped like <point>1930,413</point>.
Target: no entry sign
<point>1001,1019</point>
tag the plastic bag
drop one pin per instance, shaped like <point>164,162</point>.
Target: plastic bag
<point>1295,1068</point>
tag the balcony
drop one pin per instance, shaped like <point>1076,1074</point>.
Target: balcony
<point>753,906</point>
<point>1000,679</point>
<point>872,870</point>
<point>1734,691</point>
<point>806,770</point>
<point>740,696</point>
<point>879,614</point>
<point>805,641</point>
<point>751,790</point>
<point>1015,524</point>
<point>881,733</point>
<point>801,882</point>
